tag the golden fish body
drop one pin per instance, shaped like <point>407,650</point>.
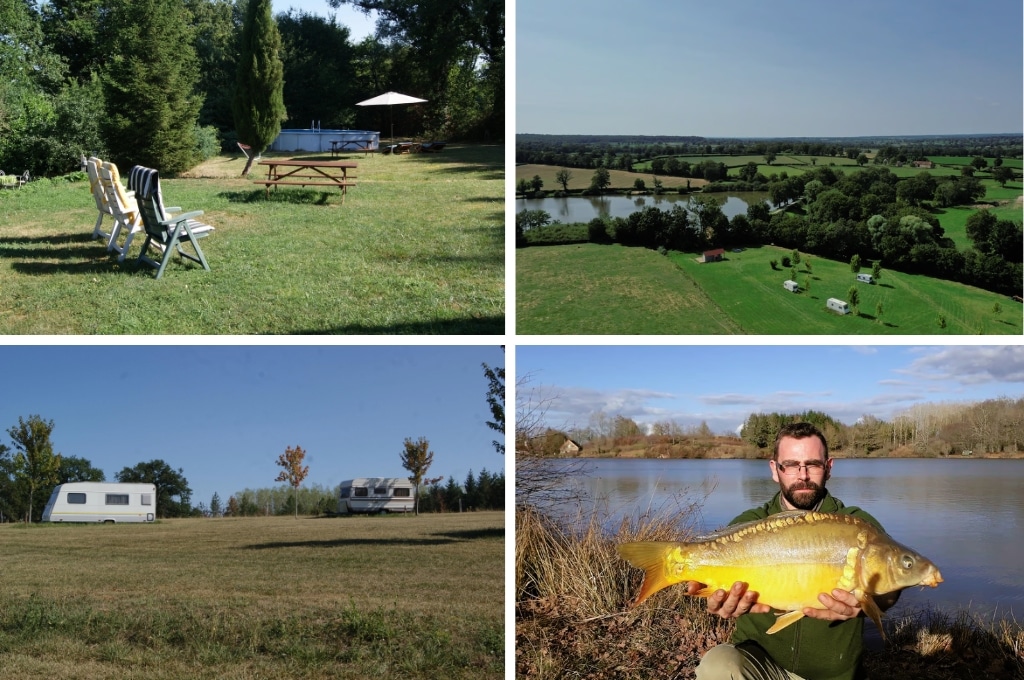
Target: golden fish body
<point>788,559</point>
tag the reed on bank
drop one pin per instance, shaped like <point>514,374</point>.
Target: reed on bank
<point>572,619</point>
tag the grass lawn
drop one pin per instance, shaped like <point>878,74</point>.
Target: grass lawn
<point>412,597</point>
<point>620,179</point>
<point>416,248</point>
<point>591,289</point>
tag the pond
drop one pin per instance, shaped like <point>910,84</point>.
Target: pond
<point>967,516</point>
<point>573,209</point>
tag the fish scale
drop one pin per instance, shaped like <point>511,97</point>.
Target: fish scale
<point>788,559</point>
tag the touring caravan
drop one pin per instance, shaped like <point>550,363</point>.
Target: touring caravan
<point>837,305</point>
<point>106,502</point>
<point>865,278</point>
<point>791,286</point>
<point>375,494</point>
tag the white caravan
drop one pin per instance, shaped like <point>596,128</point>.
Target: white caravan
<point>837,305</point>
<point>865,278</point>
<point>375,494</point>
<point>791,286</point>
<point>106,502</point>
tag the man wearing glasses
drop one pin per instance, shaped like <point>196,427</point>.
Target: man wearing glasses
<point>827,643</point>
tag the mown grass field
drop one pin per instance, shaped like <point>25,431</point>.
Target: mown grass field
<point>416,248</point>
<point>588,289</point>
<point>339,598</point>
<point>591,289</point>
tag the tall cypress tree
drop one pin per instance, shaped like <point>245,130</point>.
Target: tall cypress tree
<point>258,103</point>
<point>150,85</point>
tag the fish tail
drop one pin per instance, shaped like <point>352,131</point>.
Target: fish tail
<point>652,557</point>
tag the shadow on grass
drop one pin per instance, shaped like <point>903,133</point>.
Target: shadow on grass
<point>76,253</point>
<point>474,534</point>
<point>348,542</point>
<point>484,325</point>
<point>294,196</point>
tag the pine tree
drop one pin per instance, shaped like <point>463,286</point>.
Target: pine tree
<point>258,104</point>
<point>149,86</point>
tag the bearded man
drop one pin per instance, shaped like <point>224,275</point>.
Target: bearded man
<point>827,643</point>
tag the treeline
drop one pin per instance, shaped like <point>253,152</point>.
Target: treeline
<point>483,491</point>
<point>623,153</point>
<point>994,426</point>
<point>871,214</point>
<point>139,79</point>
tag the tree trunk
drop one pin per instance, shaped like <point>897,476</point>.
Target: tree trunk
<point>248,164</point>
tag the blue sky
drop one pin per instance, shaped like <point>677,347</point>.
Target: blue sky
<point>225,413</point>
<point>359,24</point>
<point>785,68</point>
<point>722,385</point>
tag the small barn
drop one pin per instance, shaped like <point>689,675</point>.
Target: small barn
<point>569,448</point>
<point>715,255</point>
<point>924,164</point>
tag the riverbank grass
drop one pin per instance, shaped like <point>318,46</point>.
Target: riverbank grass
<point>572,616</point>
<point>417,247</point>
<point>412,597</point>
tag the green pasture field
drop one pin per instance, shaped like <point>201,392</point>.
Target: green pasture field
<point>416,248</point>
<point>966,160</point>
<point>581,290</point>
<point>233,599</point>
<point>588,289</point>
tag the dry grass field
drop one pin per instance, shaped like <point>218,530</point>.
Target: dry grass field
<point>410,597</point>
<point>581,178</point>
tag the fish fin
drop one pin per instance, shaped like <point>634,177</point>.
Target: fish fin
<point>650,556</point>
<point>785,620</point>
<point>707,591</point>
<point>869,607</point>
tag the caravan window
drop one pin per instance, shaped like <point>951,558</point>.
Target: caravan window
<point>117,499</point>
<point>147,499</point>
<point>76,498</point>
<point>380,491</point>
<point>346,491</point>
<point>361,492</point>
<point>402,492</point>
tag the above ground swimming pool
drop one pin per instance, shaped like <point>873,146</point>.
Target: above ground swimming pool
<point>320,140</point>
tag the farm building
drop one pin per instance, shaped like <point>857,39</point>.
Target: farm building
<point>924,164</point>
<point>713,255</point>
<point>569,448</point>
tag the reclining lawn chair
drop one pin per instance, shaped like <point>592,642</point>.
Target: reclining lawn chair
<point>124,208</point>
<point>92,166</point>
<point>165,233</point>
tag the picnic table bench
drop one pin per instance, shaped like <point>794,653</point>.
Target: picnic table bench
<point>305,173</point>
<point>364,145</point>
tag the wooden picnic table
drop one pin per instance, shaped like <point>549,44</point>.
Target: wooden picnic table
<point>339,145</point>
<point>307,173</point>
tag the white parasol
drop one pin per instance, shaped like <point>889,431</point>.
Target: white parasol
<point>389,99</point>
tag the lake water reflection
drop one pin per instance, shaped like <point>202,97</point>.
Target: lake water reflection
<point>573,209</point>
<point>967,516</point>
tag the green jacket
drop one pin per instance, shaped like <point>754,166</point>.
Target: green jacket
<point>813,649</point>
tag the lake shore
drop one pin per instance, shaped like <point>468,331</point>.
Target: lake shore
<point>572,619</point>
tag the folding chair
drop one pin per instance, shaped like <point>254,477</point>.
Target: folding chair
<point>92,166</point>
<point>162,231</point>
<point>123,207</point>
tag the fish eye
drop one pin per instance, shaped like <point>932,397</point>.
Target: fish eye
<point>908,562</point>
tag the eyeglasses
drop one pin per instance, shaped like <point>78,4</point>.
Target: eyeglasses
<point>792,467</point>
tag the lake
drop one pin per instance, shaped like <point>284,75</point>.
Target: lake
<point>573,209</point>
<point>967,516</point>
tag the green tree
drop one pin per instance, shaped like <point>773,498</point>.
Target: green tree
<point>169,483</point>
<point>35,466</point>
<point>319,70</point>
<point>942,320</point>
<point>639,184</point>
<point>150,85</point>
<point>258,102</point>
<point>601,180</point>
<point>75,469</point>
<point>416,458</point>
<point>1002,174</point>
<point>854,298</point>
<point>855,264</point>
<point>862,160</point>
<point>496,403</point>
<point>878,311</point>
<point>536,183</point>
<point>563,177</point>
<point>876,270</point>
<point>215,505</point>
<point>997,309</point>
<point>293,472</point>
<point>979,162</point>
<point>769,157</point>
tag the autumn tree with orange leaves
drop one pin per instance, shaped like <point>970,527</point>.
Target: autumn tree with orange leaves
<point>416,458</point>
<point>294,472</point>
